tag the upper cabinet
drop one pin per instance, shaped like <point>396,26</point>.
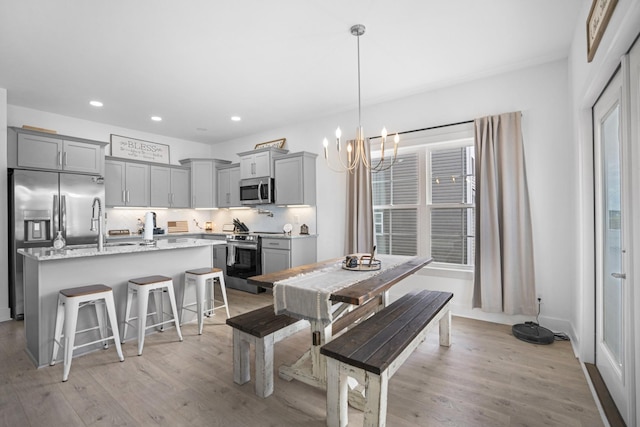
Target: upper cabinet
<point>169,187</point>
<point>37,150</point>
<point>126,183</point>
<point>229,186</point>
<point>259,163</point>
<point>203,181</point>
<point>295,178</point>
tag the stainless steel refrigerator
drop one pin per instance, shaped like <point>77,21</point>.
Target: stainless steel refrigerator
<point>41,204</point>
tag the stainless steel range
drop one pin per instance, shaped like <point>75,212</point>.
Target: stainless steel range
<point>243,260</point>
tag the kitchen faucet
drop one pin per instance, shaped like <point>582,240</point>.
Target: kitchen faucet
<point>97,220</point>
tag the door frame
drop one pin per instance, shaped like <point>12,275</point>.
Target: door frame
<point>626,376</point>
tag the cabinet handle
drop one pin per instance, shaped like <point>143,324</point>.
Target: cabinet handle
<point>619,275</point>
<point>59,158</point>
<point>64,159</point>
<point>124,196</point>
<point>128,198</point>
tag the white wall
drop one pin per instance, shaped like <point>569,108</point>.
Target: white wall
<point>541,93</point>
<point>5,313</point>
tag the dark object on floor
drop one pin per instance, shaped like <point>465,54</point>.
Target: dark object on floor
<point>533,333</point>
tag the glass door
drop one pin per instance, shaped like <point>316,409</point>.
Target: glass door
<point>612,324</point>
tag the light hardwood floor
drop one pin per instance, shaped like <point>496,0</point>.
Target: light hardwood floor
<point>486,378</point>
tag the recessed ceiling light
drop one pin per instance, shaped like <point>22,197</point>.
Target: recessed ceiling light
<point>156,118</point>
<point>236,118</point>
<point>96,103</point>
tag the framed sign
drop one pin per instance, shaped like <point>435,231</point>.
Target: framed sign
<point>599,16</point>
<point>277,143</point>
<point>137,149</point>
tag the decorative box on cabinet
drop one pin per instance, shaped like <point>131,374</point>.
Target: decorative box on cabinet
<point>203,181</point>
<point>259,163</point>
<point>38,150</point>
<point>229,186</point>
<point>295,177</point>
<point>126,183</point>
<point>169,186</point>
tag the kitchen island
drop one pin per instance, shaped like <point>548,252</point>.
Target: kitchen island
<point>47,271</point>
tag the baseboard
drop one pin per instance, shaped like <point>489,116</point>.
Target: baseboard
<point>5,314</point>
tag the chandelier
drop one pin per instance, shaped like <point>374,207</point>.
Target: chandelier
<point>356,149</point>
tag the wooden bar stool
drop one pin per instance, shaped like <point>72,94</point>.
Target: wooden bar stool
<point>69,303</point>
<point>202,276</point>
<point>141,287</point>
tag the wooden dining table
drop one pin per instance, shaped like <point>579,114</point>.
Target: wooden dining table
<point>364,296</point>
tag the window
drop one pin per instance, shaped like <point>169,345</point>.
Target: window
<point>424,204</point>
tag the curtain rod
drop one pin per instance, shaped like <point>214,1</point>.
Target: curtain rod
<point>429,128</point>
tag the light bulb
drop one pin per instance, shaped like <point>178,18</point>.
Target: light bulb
<point>338,133</point>
<point>384,133</point>
<point>325,143</point>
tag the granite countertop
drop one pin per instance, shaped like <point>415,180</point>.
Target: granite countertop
<point>80,251</point>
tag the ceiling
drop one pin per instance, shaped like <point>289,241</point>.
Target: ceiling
<point>196,63</point>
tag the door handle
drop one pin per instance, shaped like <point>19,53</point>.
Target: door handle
<point>619,275</point>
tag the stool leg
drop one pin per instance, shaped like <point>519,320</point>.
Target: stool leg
<point>113,321</point>
<point>127,313</point>
<point>70,323</point>
<point>159,301</point>
<point>174,309</point>
<point>184,293</point>
<point>223,290</point>
<point>102,325</point>
<point>200,297</point>
<point>143,305</point>
<point>58,330</point>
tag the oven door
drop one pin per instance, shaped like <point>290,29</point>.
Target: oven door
<point>243,260</point>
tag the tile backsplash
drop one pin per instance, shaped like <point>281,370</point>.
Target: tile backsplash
<point>257,219</point>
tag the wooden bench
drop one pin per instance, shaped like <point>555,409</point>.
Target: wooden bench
<point>373,351</point>
<point>262,328</point>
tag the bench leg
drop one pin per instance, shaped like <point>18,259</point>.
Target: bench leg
<point>264,366</point>
<point>337,394</point>
<point>375,408</point>
<point>445,329</point>
<point>241,368</point>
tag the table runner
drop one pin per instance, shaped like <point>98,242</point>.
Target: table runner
<point>307,295</point>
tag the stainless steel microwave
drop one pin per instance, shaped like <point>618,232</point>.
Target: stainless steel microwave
<point>257,191</point>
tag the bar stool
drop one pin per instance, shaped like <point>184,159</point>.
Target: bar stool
<point>69,303</point>
<point>141,287</point>
<point>201,277</point>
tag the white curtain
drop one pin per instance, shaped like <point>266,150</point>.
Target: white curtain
<point>504,274</point>
<point>359,221</point>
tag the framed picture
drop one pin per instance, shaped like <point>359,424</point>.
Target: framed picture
<point>137,149</point>
<point>277,143</point>
<point>599,16</point>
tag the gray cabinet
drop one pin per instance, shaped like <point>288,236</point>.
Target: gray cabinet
<point>169,187</point>
<point>295,178</point>
<point>281,254</point>
<point>126,183</point>
<point>203,181</point>
<point>43,151</point>
<point>229,186</point>
<point>259,163</point>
